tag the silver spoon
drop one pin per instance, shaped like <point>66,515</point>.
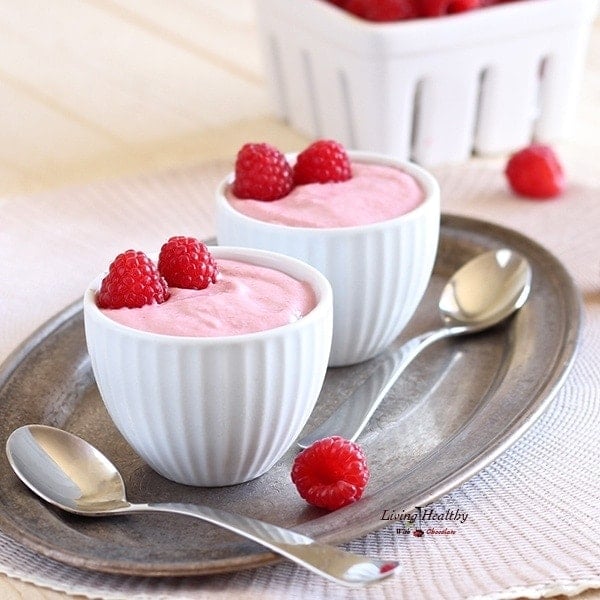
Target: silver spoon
<point>482,293</point>
<point>73,475</point>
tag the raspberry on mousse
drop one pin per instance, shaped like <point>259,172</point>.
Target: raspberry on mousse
<point>133,281</point>
<point>186,262</point>
<point>324,161</point>
<point>262,172</point>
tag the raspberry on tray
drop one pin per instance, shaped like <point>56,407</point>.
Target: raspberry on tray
<point>331,473</point>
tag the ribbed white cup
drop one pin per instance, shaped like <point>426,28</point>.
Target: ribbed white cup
<point>378,272</point>
<point>213,411</point>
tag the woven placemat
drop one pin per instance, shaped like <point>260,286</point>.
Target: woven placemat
<point>526,526</point>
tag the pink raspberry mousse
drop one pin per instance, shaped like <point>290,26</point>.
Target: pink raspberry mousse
<point>374,193</point>
<point>245,299</point>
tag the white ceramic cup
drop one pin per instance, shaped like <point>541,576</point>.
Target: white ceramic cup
<point>213,411</point>
<point>378,272</point>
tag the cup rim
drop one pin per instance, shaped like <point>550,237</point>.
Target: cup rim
<point>267,258</point>
<point>425,179</point>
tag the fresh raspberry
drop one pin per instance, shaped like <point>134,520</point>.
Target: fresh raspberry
<point>322,162</point>
<point>493,2</point>
<point>132,281</point>
<point>458,6</point>
<point>186,262</point>
<point>535,172</point>
<point>331,473</point>
<point>383,10</point>
<point>438,8</point>
<point>262,173</point>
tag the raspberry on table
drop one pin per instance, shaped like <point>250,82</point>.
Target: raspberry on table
<point>132,281</point>
<point>323,161</point>
<point>262,173</point>
<point>186,262</point>
<point>331,473</point>
<point>535,172</point>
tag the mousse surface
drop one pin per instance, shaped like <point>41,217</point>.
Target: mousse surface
<point>245,299</point>
<point>374,193</point>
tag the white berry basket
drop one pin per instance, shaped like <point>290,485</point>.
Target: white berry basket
<point>434,90</point>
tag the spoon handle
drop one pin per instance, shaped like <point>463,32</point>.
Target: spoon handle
<point>351,417</point>
<point>336,565</point>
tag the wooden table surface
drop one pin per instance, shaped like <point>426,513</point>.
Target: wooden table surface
<point>96,89</point>
<point>102,88</point>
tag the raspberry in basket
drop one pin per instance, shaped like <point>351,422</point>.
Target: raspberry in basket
<point>186,262</point>
<point>535,172</point>
<point>382,10</point>
<point>437,8</point>
<point>331,473</point>
<point>132,281</point>
<point>262,173</point>
<point>323,161</point>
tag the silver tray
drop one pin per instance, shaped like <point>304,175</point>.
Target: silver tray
<point>460,405</point>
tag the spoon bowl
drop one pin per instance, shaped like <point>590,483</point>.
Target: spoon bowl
<point>73,475</point>
<point>65,470</point>
<point>481,294</point>
<point>485,291</point>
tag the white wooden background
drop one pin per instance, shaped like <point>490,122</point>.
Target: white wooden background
<point>102,88</point>
<point>95,88</point>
